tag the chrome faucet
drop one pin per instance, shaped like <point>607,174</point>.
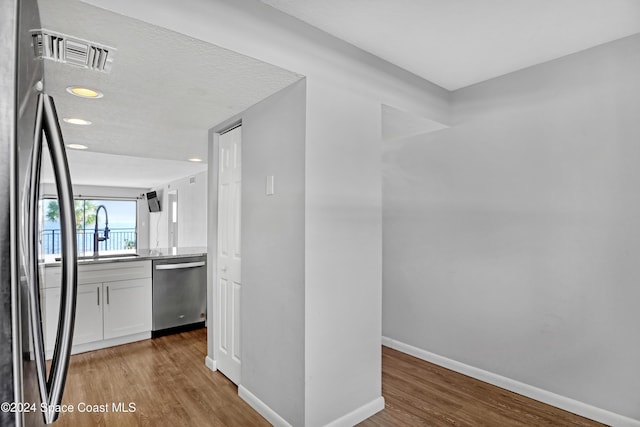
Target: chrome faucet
<point>97,238</point>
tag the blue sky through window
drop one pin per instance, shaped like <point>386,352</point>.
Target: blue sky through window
<point>122,223</point>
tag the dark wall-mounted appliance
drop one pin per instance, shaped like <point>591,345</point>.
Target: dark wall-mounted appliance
<point>153,201</point>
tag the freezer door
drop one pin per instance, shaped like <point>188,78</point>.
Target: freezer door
<point>28,116</point>
<point>8,52</point>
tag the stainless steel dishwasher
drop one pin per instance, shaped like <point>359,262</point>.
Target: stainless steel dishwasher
<point>179,294</point>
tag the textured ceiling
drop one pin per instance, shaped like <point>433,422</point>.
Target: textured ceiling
<point>456,43</point>
<point>165,90</point>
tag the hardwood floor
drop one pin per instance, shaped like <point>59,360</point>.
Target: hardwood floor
<point>418,393</point>
<point>167,381</point>
<point>164,377</point>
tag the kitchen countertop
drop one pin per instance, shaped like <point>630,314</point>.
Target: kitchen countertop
<point>131,255</point>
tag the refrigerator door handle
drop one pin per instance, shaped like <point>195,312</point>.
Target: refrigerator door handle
<point>69,286</point>
<point>32,252</point>
<point>52,388</point>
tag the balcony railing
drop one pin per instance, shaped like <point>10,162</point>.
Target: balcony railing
<point>119,239</point>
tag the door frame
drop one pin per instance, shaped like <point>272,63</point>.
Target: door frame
<point>212,238</point>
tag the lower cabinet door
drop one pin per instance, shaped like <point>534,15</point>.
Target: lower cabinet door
<point>88,325</point>
<point>127,307</point>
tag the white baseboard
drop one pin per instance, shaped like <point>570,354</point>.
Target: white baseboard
<point>210,363</point>
<point>97,345</point>
<point>360,414</point>
<point>562,402</point>
<point>351,419</point>
<point>264,410</point>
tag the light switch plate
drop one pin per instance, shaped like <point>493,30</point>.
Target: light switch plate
<point>270,186</point>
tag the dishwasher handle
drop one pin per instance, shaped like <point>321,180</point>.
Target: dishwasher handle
<point>179,265</point>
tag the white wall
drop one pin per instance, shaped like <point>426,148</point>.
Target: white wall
<point>192,213</point>
<point>511,241</point>
<point>508,239</point>
<point>299,327</point>
<point>96,191</point>
<point>343,202</point>
<point>343,252</point>
<point>273,242</point>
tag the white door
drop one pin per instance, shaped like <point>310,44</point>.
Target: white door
<point>228,271</point>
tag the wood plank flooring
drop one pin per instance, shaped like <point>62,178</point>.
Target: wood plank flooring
<point>418,393</point>
<point>167,381</point>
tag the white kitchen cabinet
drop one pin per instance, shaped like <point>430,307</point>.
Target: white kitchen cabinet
<point>127,308</point>
<point>88,326</point>
<point>113,305</point>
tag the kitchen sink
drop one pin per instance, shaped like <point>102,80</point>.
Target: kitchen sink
<point>103,257</point>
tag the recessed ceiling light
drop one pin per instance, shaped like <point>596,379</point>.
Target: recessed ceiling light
<point>84,92</point>
<point>195,159</point>
<point>77,146</point>
<point>75,121</point>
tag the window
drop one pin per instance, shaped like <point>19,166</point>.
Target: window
<point>122,216</point>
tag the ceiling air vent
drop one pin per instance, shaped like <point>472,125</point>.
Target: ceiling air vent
<point>70,50</point>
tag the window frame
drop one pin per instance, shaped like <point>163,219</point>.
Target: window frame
<point>82,232</point>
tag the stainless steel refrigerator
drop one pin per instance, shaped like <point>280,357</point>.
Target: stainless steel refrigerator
<point>29,125</point>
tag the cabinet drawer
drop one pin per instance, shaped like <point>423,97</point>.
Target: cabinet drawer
<point>101,272</point>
